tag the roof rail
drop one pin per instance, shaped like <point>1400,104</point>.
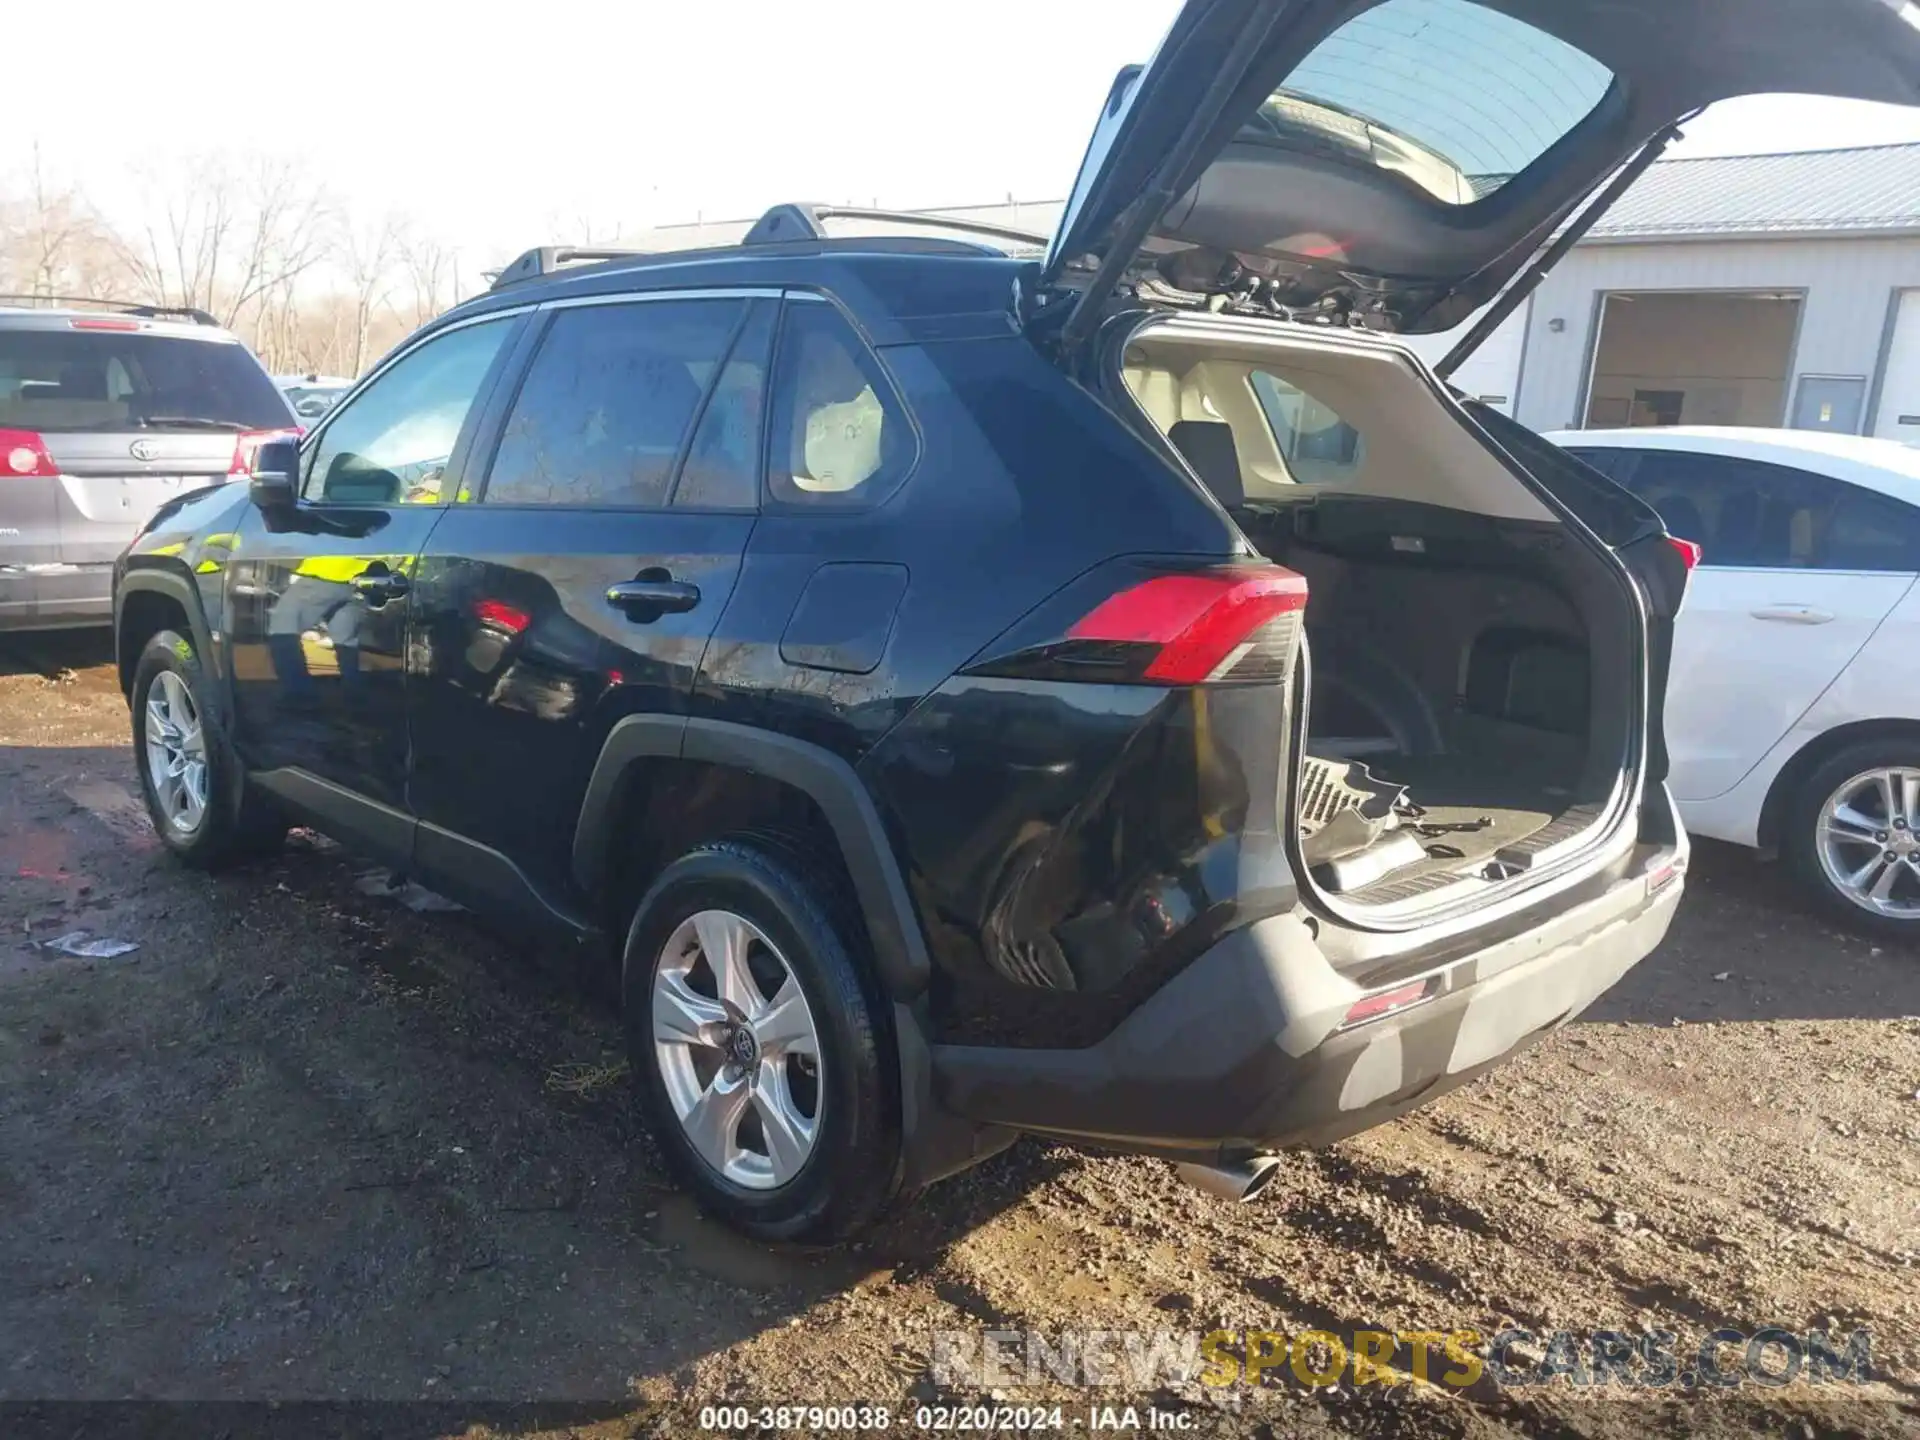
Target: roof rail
<point>802,222</point>
<point>127,307</point>
<point>545,259</point>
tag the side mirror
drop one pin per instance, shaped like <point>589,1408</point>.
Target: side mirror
<point>274,485</point>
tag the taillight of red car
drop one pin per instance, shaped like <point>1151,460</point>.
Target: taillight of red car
<point>23,455</point>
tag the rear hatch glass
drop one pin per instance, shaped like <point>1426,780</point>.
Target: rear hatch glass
<point>70,381</point>
<point>1396,163</point>
<point>129,419</point>
<point>1456,98</point>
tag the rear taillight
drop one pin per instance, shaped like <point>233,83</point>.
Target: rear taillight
<point>1689,551</point>
<point>23,454</point>
<point>103,322</point>
<point>1144,622</point>
<point>1386,1002</point>
<point>246,446</point>
<point>1216,625</point>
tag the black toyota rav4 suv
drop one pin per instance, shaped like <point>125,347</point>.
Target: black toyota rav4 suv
<point>1120,695</point>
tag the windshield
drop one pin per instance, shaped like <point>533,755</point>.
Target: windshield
<point>55,381</point>
<point>1456,97</point>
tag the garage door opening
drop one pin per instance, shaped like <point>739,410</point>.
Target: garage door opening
<point>1690,358</point>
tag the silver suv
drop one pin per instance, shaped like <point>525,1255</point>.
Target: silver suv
<point>107,412</point>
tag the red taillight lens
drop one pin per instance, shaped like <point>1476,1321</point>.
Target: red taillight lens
<point>1387,1001</point>
<point>1213,625</point>
<point>1689,551</point>
<point>96,322</point>
<point>246,446</point>
<point>24,454</point>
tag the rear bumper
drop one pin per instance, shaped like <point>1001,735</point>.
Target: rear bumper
<point>1248,1050</point>
<point>55,596</point>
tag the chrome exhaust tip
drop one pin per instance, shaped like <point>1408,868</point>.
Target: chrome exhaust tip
<point>1240,1183</point>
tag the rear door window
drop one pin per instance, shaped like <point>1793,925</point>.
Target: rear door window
<point>72,381</point>
<point>1870,531</point>
<point>609,401</point>
<point>722,469</point>
<point>1744,514</point>
<point>838,434</point>
<point>1456,98</point>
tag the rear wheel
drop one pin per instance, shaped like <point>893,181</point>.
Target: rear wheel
<point>1854,836</point>
<point>760,1046</point>
<point>189,776</point>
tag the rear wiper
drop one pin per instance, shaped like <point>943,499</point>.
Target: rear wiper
<point>184,422</point>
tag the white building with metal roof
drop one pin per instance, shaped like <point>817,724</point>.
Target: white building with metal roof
<point>1752,290</point>
<point>1748,290</point>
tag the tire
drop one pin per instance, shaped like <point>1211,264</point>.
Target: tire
<point>760,900</point>
<point>197,800</point>
<point>1824,854</point>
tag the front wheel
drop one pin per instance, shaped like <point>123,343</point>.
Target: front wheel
<point>1854,836</point>
<point>189,776</point>
<point>760,1045</point>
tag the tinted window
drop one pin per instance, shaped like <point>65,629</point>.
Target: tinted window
<point>68,380</point>
<point>1614,464</point>
<point>1872,532</point>
<point>608,401</point>
<point>838,435</point>
<point>723,463</point>
<point>1319,447</point>
<point>391,445</point>
<point>1452,96</point>
<point>1742,513</point>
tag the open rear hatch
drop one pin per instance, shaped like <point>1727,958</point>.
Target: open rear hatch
<point>1488,619</point>
<point>1395,163</point>
<point>1481,666</point>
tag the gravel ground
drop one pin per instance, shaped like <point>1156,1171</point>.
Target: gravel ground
<point>308,1144</point>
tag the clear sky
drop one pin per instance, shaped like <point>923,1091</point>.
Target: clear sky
<point>496,126</point>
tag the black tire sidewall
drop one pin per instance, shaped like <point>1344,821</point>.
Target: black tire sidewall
<point>215,838</point>
<point>1801,841</point>
<point>850,1173</point>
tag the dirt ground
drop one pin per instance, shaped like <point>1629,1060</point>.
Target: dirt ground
<point>307,1144</point>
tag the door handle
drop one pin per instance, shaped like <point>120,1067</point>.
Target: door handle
<point>648,600</point>
<point>376,587</point>
<point>1793,614</point>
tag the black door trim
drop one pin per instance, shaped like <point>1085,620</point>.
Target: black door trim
<point>489,883</point>
<point>376,830</point>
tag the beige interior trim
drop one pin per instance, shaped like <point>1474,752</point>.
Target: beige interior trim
<point>1413,446</point>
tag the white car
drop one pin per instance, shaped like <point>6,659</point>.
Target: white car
<point>311,396</point>
<point>1793,714</point>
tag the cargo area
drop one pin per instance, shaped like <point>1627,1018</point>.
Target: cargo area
<point>1472,668</point>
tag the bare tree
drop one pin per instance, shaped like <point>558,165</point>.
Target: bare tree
<point>432,275</point>
<point>51,241</point>
<point>369,257</point>
<point>226,235</point>
<point>250,240</point>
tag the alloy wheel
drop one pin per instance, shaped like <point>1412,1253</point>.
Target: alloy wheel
<point>737,1048</point>
<point>1867,841</point>
<point>176,746</point>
